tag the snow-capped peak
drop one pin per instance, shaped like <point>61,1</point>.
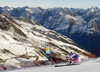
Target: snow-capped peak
<point>93,8</point>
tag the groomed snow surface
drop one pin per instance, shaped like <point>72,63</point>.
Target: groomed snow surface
<point>92,65</point>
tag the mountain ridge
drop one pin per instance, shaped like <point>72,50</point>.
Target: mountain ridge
<point>78,22</point>
<point>24,41</point>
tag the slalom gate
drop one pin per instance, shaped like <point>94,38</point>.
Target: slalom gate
<point>48,52</point>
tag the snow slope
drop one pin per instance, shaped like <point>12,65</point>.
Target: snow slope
<point>92,65</point>
<point>26,41</point>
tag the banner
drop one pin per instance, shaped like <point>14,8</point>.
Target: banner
<point>48,50</point>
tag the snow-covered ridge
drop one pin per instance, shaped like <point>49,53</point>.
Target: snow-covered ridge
<point>58,18</point>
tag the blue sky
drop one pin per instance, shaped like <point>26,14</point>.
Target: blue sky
<point>51,3</point>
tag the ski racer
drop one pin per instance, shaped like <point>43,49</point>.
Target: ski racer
<point>75,58</point>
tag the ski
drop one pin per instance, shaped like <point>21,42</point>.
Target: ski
<point>65,65</point>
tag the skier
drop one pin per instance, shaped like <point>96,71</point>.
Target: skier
<point>75,58</point>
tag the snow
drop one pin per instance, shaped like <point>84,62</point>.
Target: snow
<point>36,10</point>
<point>32,18</point>
<point>92,65</point>
<point>69,45</point>
<point>29,10</point>
<point>13,63</point>
<point>79,20</point>
<point>8,9</point>
<point>82,27</point>
<point>9,45</point>
<point>50,18</point>
<point>63,21</point>
<point>61,26</point>
<point>36,39</point>
<point>18,48</point>
<point>28,26</point>
<point>93,8</point>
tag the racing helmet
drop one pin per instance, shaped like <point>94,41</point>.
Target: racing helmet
<point>71,53</point>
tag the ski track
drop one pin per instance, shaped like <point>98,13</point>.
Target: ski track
<point>87,66</point>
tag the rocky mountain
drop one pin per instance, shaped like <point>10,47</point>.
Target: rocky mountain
<point>22,40</point>
<point>81,25</point>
